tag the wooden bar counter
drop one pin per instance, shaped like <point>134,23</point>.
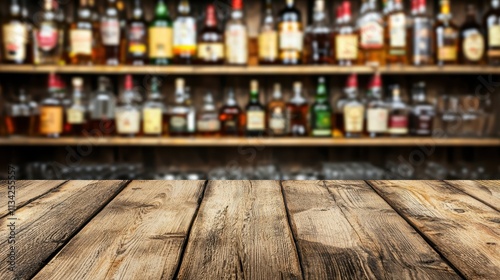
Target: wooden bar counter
<point>250,230</point>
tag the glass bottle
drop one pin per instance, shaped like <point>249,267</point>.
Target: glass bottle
<point>191,117</point>
<point>178,123</point>
<point>98,51</point>
<point>472,42</point>
<point>230,116</point>
<point>297,110</point>
<point>451,118</point>
<point>276,114</point>
<point>255,113</point>
<point>421,32</point>
<point>398,114</point>
<point>474,119</point>
<point>208,122</point>
<point>395,33</point>
<point>81,36</point>
<point>184,34</point>
<point>346,37</point>
<point>15,35</point>
<point>51,111</point>
<point>353,109</point>
<point>422,112</point>
<point>76,113</point>
<point>128,111</point>
<point>111,33</point>
<point>268,37</point>
<point>377,114</point>
<point>321,112</point>
<point>102,109</point>
<point>160,36</point>
<point>291,34</point>
<point>445,37</point>
<point>318,39</point>
<point>48,36</point>
<point>236,36</point>
<point>154,111</point>
<point>210,40</point>
<point>137,36</point>
<point>371,29</point>
<point>491,22</point>
<point>19,117</point>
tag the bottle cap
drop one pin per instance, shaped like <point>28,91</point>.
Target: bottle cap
<point>277,87</point>
<point>129,83</point>
<point>339,12</point>
<point>346,9</point>
<point>321,80</point>
<point>352,81</point>
<point>77,82</point>
<point>211,19</point>
<point>254,85</point>
<point>53,80</point>
<point>179,83</point>
<point>238,4</point>
<point>376,81</point>
<point>297,86</point>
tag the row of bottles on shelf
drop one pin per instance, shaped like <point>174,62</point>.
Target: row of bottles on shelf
<point>351,116</point>
<point>391,36</point>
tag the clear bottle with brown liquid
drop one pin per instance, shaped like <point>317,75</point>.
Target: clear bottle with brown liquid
<point>211,40</point>
<point>491,22</point>
<point>81,36</point>
<point>297,113</point>
<point>318,47</point>
<point>346,39</point>
<point>111,33</point>
<point>291,35</point>
<point>472,41</point>
<point>230,116</point>
<point>446,37</point>
<point>15,36</point>
<point>268,37</point>
<point>396,33</point>
<point>371,29</point>
<point>276,114</point>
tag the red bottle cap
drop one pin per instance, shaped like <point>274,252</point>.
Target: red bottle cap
<point>53,80</point>
<point>346,8</point>
<point>211,19</point>
<point>376,81</point>
<point>422,4</point>
<point>352,81</point>
<point>339,12</point>
<point>129,83</point>
<point>237,4</point>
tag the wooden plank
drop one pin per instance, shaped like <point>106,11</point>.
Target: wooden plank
<point>46,224</point>
<point>139,235</point>
<point>464,230</point>
<point>487,192</point>
<point>241,232</point>
<point>25,192</point>
<point>344,230</point>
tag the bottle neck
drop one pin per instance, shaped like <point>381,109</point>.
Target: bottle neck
<point>290,3</point>
<point>161,10</point>
<point>351,92</point>
<point>495,4</point>
<point>376,93</point>
<point>138,12</point>
<point>231,100</point>
<point>321,94</point>
<point>15,8</point>
<point>319,11</point>
<point>184,8</point>
<point>254,96</point>
<point>211,20</point>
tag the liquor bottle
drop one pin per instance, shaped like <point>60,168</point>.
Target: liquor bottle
<point>122,16</point>
<point>19,117</point>
<point>111,33</point>
<point>276,114</point>
<point>128,111</point>
<point>29,31</point>
<point>398,114</point>
<point>154,112</point>
<point>422,112</point>
<point>210,40</point>
<point>491,23</point>
<point>297,110</point>
<point>51,111</point>
<point>291,35</point>
<point>268,37</point>
<point>230,116</point>
<point>160,36</point>
<point>208,122</point>
<point>178,119</point>
<point>48,36</point>
<point>395,33</point>
<point>377,114</point>
<point>102,109</point>
<point>76,114</point>
<point>236,36</point>
<point>318,39</point>
<point>321,112</point>
<point>421,34</point>
<point>346,37</point>
<point>81,36</point>
<point>353,109</point>
<point>184,35</point>
<point>137,37</point>
<point>98,50</point>
<point>255,113</point>
<point>191,116</point>
<point>15,35</point>
<point>371,29</point>
<point>472,42</point>
<point>445,37</point>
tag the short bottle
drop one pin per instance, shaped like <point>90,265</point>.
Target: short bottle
<point>472,42</point>
<point>236,36</point>
<point>255,113</point>
<point>102,107</point>
<point>128,111</point>
<point>20,116</point>
<point>208,122</point>
<point>321,112</point>
<point>51,111</point>
<point>353,109</point>
<point>76,113</point>
<point>178,115</point>
<point>398,125</point>
<point>185,35</point>
<point>230,116</point>
<point>276,114</point>
<point>446,37</point>
<point>137,37</point>
<point>268,37</point>
<point>491,22</point>
<point>422,112</point>
<point>211,40</point>
<point>154,112</point>
<point>346,38</point>
<point>377,113</point>
<point>297,113</point>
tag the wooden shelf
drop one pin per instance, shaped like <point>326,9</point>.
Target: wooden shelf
<point>235,142</point>
<point>248,70</point>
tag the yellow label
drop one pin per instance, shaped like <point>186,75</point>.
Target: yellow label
<point>15,38</point>
<point>211,51</point>
<point>136,48</point>
<point>473,47</point>
<point>353,118</point>
<point>51,120</point>
<point>268,45</point>
<point>255,120</point>
<point>153,121</point>
<point>160,42</point>
<point>346,47</point>
<point>81,42</point>
<point>494,36</point>
<point>447,53</point>
<point>75,116</point>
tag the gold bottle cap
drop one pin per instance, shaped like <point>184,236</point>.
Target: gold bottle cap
<point>277,87</point>
<point>297,86</point>
<point>254,85</point>
<point>77,82</point>
<point>179,83</point>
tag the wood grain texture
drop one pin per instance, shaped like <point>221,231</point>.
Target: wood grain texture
<point>46,224</point>
<point>344,230</point>
<point>241,232</point>
<point>25,192</point>
<point>139,235</point>
<point>487,192</point>
<point>464,230</point>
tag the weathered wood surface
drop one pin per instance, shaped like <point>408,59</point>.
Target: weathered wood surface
<point>46,224</point>
<point>241,232</point>
<point>344,230</point>
<point>464,230</point>
<point>25,191</point>
<point>487,192</point>
<point>139,235</point>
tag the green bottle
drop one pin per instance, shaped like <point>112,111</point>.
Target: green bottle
<point>321,112</point>
<point>160,36</point>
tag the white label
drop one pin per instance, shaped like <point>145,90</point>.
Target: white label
<point>14,41</point>
<point>398,30</point>
<point>473,46</point>
<point>372,35</point>
<point>292,40</point>
<point>110,31</point>
<point>255,120</point>
<point>212,125</point>
<point>81,41</point>
<point>377,120</point>
<point>128,122</point>
<point>184,33</point>
<point>75,116</point>
<point>494,35</point>
<point>237,45</point>
<point>353,118</point>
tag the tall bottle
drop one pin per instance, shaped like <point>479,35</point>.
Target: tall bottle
<point>421,34</point>
<point>128,111</point>
<point>178,121</point>
<point>346,37</point>
<point>491,22</point>
<point>371,29</point>
<point>276,114</point>
<point>211,40</point>
<point>137,37</point>
<point>395,33</point>
<point>422,112</point>
<point>98,50</point>
<point>51,111</point>
<point>154,112</point>
<point>472,42</point>
<point>321,112</point>
<point>102,109</point>
<point>160,36</point>
<point>255,113</point>
<point>291,34</point>
<point>208,123</point>
<point>76,113</point>
<point>81,36</point>
<point>48,36</point>
<point>184,34</point>
<point>353,109</point>
<point>15,35</point>
<point>230,116</point>
<point>297,112</point>
<point>236,36</point>
<point>268,37</point>
<point>111,33</point>
<point>318,40</point>
<point>377,113</point>
<point>445,37</point>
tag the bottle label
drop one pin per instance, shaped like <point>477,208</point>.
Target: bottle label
<point>277,121</point>
<point>398,125</point>
<point>377,120</point>
<point>372,35</point>
<point>398,31</point>
<point>128,122</point>
<point>346,47</point>
<point>473,46</point>
<point>423,124</point>
<point>291,37</point>
<point>47,38</point>
<point>322,124</point>
<point>160,42</point>
<point>153,121</point>
<point>422,33</point>
<point>178,124</point>
<point>255,120</point>
<point>75,116</point>
<point>353,118</point>
<point>81,42</point>
<point>447,53</point>
<point>51,120</point>
<point>136,38</point>
<point>237,45</point>
<point>110,31</point>
<point>185,37</point>
<point>268,45</point>
<point>211,51</point>
<point>210,125</point>
<point>494,36</point>
<point>15,38</point>
<point>230,126</point>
